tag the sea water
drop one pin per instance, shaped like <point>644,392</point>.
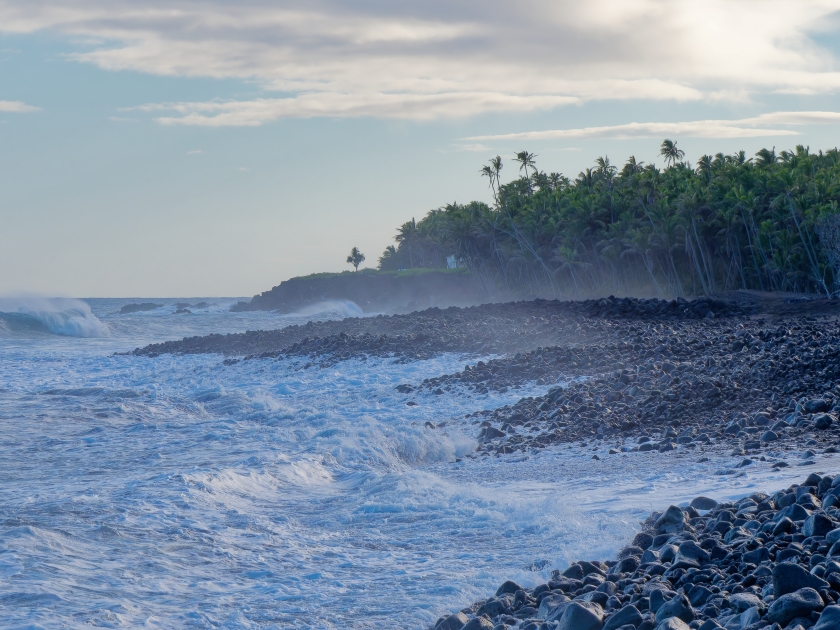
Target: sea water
<point>179,492</point>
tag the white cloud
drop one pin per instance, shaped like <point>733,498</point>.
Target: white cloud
<point>121,119</point>
<point>412,106</point>
<point>743,128</point>
<point>17,107</point>
<point>194,152</point>
<point>475,147</point>
<point>449,58</point>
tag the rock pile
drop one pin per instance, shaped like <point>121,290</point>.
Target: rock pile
<point>675,383</point>
<point>761,563</point>
<point>488,329</point>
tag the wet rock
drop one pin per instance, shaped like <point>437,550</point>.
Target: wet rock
<point>453,622</point>
<point>797,604</point>
<point>829,619</point>
<point>789,577</point>
<point>678,607</point>
<point>816,405</point>
<point>823,421</point>
<point>817,525</point>
<point>478,623</point>
<point>672,520</point>
<point>508,587</point>
<point>703,503</point>
<point>550,603</point>
<point>627,615</point>
<point>581,616</point>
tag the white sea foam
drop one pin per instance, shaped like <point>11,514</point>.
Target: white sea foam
<point>61,316</point>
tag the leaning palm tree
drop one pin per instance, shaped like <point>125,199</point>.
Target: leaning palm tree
<point>670,152</point>
<point>487,171</point>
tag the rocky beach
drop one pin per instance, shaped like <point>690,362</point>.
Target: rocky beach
<point>761,563</point>
<point>745,378</point>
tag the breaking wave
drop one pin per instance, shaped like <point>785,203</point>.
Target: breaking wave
<point>345,307</point>
<point>59,316</point>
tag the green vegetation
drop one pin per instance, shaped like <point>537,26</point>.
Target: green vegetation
<point>771,222</point>
<point>378,272</point>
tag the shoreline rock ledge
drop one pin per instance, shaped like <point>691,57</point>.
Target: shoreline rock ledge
<point>760,563</point>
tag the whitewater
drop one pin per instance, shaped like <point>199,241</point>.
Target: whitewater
<point>180,492</point>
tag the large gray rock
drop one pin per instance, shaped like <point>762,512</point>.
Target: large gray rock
<point>478,623</point>
<point>816,405</point>
<point>627,615</point>
<point>703,503</point>
<point>496,606</point>
<point>829,619</point>
<point>744,601</point>
<point>453,622</point>
<point>833,536</point>
<point>673,624</point>
<point>817,525</point>
<point>672,520</point>
<point>789,577</point>
<point>582,616</point>
<point>709,624</point>
<point>549,603</point>
<point>508,587</point>
<point>769,436</point>
<point>799,604</point>
<point>823,421</point>
<point>678,607</point>
<point>689,555</point>
<point>750,616</point>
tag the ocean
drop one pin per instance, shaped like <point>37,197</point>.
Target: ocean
<point>180,492</point>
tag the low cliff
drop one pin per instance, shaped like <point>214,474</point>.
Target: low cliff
<point>371,290</point>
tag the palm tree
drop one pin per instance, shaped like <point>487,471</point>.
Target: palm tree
<point>526,161</point>
<point>670,152</point>
<point>487,171</point>
<point>355,258</point>
<point>632,167</point>
<point>407,234</point>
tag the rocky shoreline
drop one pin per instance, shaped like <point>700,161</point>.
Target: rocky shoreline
<point>747,373</point>
<point>755,376</point>
<point>761,563</point>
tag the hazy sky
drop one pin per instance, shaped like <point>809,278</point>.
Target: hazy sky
<point>186,148</point>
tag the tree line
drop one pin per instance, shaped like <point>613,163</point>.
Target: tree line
<point>770,223</point>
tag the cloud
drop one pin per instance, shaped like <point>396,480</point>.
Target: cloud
<point>476,147</point>
<point>120,119</point>
<point>194,152</point>
<point>407,106</point>
<point>449,58</point>
<point>17,107</point>
<point>743,128</point>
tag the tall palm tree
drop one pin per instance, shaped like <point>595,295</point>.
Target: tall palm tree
<point>670,152</point>
<point>526,161</point>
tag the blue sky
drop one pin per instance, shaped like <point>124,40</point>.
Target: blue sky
<point>187,148</point>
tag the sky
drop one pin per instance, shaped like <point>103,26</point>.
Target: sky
<point>163,148</point>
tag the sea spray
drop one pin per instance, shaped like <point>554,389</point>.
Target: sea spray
<point>60,316</point>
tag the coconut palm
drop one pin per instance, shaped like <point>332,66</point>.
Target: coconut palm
<point>670,152</point>
<point>355,258</point>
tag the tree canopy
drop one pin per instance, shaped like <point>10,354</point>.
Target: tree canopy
<point>727,222</point>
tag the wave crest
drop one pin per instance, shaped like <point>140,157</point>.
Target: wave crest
<point>60,316</point>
